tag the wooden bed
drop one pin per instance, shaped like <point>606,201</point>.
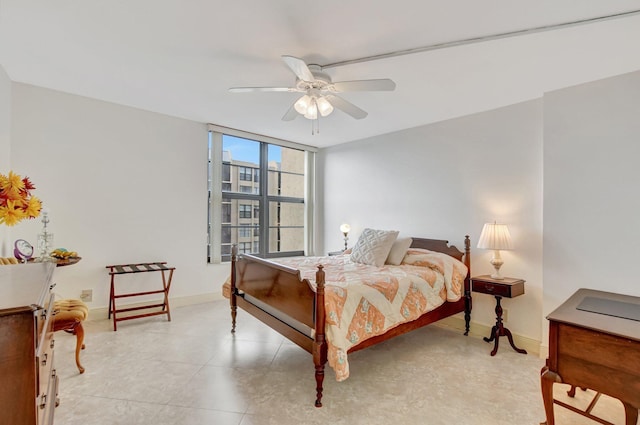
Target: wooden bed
<point>280,298</point>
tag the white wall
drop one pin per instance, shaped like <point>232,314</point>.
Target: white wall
<point>445,181</point>
<point>5,119</point>
<point>123,186</point>
<point>126,185</point>
<point>591,190</point>
<point>5,125</point>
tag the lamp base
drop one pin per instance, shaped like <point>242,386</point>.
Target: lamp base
<point>496,262</point>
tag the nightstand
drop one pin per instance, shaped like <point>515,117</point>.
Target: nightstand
<point>507,287</point>
<point>332,253</point>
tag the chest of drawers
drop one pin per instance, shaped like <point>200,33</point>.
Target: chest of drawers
<point>29,384</point>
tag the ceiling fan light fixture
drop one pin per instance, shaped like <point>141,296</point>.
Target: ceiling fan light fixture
<point>303,104</point>
<point>324,106</point>
<point>312,110</point>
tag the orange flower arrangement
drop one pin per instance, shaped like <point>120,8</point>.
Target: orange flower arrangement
<point>16,201</point>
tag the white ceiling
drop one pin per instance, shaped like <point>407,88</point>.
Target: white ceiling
<point>179,57</point>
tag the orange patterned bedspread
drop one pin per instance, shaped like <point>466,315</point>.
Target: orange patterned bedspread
<point>363,301</point>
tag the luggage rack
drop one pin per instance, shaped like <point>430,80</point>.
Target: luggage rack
<point>119,269</point>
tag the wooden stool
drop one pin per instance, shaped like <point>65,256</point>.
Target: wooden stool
<point>69,315</point>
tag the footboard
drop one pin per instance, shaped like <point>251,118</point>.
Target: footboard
<point>279,297</point>
<point>276,286</point>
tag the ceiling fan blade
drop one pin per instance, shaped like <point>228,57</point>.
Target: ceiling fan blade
<point>291,114</point>
<point>365,85</point>
<point>252,89</point>
<point>299,67</point>
<point>346,107</point>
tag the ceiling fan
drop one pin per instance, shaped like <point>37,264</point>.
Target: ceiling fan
<point>319,92</point>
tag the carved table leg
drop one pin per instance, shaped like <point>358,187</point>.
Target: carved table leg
<point>507,332</point>
<point>572,390</point>
<point>79,331</point>
<point>499,330</point>
<point>547,379</point>
<point>495,336</point>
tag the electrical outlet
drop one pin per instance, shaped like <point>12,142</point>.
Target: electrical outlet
<point>505,315</point>
<point>86,295</point>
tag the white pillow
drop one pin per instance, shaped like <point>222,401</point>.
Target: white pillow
<point>398,250</point>
<point>373,246</point>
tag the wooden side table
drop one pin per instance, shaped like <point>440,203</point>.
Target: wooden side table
<point>507,287</point>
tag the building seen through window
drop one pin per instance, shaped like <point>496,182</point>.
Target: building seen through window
<point>263,205</point>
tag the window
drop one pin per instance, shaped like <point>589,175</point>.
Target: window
<point>244,211</point>
<point>244,232</point>
<point>226,212</point>
<point>257,190</point>
<point>246,173</point>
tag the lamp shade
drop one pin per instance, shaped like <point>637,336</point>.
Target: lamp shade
<point>302,104</point>
<point>312,110</point>
<point>345,228</point>
<point>495,236</point>
<point>324,107</point>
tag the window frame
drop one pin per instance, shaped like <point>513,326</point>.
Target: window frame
<point>261,175</point>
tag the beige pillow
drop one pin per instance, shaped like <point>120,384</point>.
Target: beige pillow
<point>373,246</point>
<point>398,250</point>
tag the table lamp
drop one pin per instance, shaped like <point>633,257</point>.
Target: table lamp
<point>345,229</point>
<point>496,237</point>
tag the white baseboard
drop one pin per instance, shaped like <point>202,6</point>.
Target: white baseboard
<point>544,351</point>
<point>103,312</point>
<point>478,330</point>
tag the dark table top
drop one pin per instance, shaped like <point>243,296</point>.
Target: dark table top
<point>572,312</point>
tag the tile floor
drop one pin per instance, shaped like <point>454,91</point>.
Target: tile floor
<point>192,371</point>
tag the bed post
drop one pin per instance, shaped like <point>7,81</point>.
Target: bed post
<point>467,284</point>
<point>233,303</point>
<point>319,342</point>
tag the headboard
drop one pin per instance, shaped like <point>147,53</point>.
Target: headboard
<point>440,245</point>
